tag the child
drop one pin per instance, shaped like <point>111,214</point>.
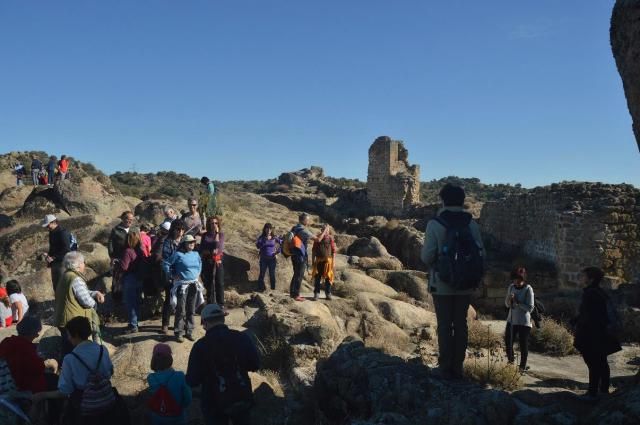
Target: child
<point>19,304</point>
<point>170,393</point>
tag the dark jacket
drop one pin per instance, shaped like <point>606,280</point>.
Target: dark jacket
<point>591,336</point>
<point>218,347</point>
<point>27,368</point>
<point>59,243</point>
<point>117,242</point>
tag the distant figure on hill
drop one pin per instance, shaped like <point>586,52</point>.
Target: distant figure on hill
<point>184,266</point>
<point>593,332</point>
<point>51,169</point>
<point>299,255</point>
<point>42,176</point>
<point>212,250</point>
<point>451,282</point>
<point>208,201</point>
<point>520,302</point>
<point>269,245</point>
<point>60,242</point>
<point>324,256</point>
<point>35,170</point>
<point>63,168</point>
<point>117,245</point>
<point>193,220</point>
<point>20,173</point>
<point>170,394</point>
<point>220,362</point>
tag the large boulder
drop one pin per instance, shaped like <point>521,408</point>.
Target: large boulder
<point>625,44</point>
<point>152,211</point>
<point>12,198</point>
<point>367,247</point>
<point>411,282</point>
<point>353,282</point>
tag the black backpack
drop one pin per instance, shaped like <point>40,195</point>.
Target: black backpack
<point>538,311</point>
<point>231,386</point>
<point>460,261</point>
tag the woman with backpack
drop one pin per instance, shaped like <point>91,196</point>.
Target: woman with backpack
<point>269,246</point>
<point>594,336</point>
<point>212,250</point>
<point>170,394</point>
<point>520,302</point>
<point>131,265</point>
<point>323,256</point>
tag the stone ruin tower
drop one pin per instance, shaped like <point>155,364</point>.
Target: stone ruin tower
<point>392,184</point>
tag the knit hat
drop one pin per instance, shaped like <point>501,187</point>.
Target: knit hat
<point>162,350</point>
<point>29,326</point>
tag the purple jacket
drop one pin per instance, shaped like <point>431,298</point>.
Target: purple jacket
<point>269,248</point>
<point>208,242</point>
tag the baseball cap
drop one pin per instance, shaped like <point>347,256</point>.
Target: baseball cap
<point>49,218</point>
<point>212,311</point>
<point>187,239</point>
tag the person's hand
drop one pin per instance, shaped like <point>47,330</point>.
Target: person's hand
<point>512,299</point>
<point>100,297</point>
<point>49,259</point>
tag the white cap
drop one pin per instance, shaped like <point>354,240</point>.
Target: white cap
<point>49,218</point>
<point>166,225</point>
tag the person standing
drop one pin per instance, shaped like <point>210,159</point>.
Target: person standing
<point>520,302</point>
<point>592,339</point>
<point>269,246</point>
<point>20,173</point>
<point>59,245</point>
<point>212,251</point>
<point>63,167</point>
<point>219,362</point>
<point>130,264</point>
<point>300,257</point>
<point>209,207</point>
<point>324,256</point>
<point>51,169</point>
<point>451,302</point>
<point>35,169</point>
<point>185,267</point>
<point>193,220</point>
<point>116,246</point>
<point>169,247</point>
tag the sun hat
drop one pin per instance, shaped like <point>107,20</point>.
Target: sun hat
<point>187,239</point>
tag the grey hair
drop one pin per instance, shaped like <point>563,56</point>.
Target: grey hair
<point>168,208</point>
<point>73,260</point>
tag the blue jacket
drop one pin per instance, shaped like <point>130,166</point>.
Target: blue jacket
<point>177,386</point>
<point>187,265</point>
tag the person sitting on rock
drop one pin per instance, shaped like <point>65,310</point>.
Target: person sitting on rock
<point>451,304</point>
<point>19,304</point>
<point>117,245</point>
<point>592,339</point>
<point>212,250</point>
<point>520,302</point>
<point>59,245</point>
<point>131,264</point>
<point>184,266</point>
<point>220,362</point>
<point>27,367</point>
<point>74,299</point>
<point>269,245</point>
<point>169,406</point>
<point>323,257</point>
<point>299,259</point>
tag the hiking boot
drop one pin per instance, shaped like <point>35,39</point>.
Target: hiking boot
<point>299,298</point>
<point>523,369</point>
<point>179,339</point>
<point>190,338</point>
<point>316,295</point>
<point>131,330</point>
<point>328,294</point>
<point>165,330</point>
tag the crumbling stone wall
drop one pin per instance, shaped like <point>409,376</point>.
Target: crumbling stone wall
<point>393,185</point>
<point>571,226</point>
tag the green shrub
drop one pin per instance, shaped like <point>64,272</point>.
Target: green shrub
<point>552,338</point>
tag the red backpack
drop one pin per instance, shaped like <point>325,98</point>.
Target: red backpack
<point>162,403</point>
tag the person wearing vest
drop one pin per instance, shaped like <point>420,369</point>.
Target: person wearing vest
<point>451,305</point>
<point>74,299</point>
<point>323,256</point>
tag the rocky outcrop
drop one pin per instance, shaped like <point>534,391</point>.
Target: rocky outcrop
<point>411,282</point>
<point>152,211</point>
<point>625,44</point>
<point>369,253</point>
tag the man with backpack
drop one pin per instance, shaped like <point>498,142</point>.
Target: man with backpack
<point>220,362</point>
<point>295,245</point>
<point>60,242</point>
<point>453,253</point>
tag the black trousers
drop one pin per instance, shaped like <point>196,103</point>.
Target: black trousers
<point>166,306</point>
<point>299,268</point>
<point>522,332</point>
<point>213,279</point>
<point>453,333</point>
<point>599,373</point>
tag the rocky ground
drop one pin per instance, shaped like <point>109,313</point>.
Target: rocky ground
<point>364,357</point>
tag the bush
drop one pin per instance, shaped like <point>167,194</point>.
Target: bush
<point>552,338</point>
<point>481,336</point>
<point>631,325</point>
<point>493,371</point>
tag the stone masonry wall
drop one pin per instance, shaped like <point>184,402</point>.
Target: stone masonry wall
<point>393,185</point>
<point>571,226</point>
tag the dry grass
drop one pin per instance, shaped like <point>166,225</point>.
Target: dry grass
<point>552,338</point>
<point>494,371</point>
<point>275,353</point>
<point>481,336</point>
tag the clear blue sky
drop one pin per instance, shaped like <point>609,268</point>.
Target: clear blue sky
<point>507,91</point>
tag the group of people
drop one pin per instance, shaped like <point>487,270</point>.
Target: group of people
<point>43,174</point>
<point>592,326</point>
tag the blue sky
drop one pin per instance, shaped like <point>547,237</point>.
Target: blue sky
<point>506,91</point>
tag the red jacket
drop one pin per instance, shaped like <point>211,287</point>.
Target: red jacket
<point>27,368</point>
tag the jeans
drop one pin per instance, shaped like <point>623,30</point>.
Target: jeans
<point>34,177</point>
<point>599,372</point>
<point>451,314</point>
<point>132,298</point>
<point>523,339</point>
<point>213,279</point>
<point>267,264</point>
<point>52,176</point>
<point>299,268</point>
<point>185,309</point>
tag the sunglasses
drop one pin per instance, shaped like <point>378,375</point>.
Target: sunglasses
<point>214,222</point>
<point>194,205</point>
